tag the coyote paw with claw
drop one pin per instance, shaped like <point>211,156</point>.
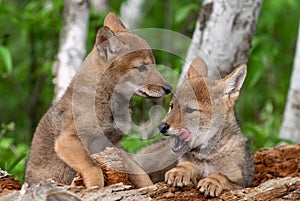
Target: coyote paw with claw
<point>178,177</point>
<point>210,186</point>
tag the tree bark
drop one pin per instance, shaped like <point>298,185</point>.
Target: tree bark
<point>290,128</point>
<point>287,188</point>
<point>223,35</point>
<point>131,13</point>
<point>72,47</point>
<point>276,178</point>
<point>99,5</point>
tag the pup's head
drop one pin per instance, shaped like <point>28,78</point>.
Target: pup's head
<point>130,60</point>
<point>201,107</point>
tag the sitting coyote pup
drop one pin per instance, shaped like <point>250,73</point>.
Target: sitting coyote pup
<point>121,64</point>
<point>214,152</point>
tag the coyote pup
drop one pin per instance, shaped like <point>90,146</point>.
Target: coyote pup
<point>121,64</point>
<point>213,151</point>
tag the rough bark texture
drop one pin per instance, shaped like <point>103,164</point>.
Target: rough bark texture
<point>282,161</point>
<point>223,35</point>
<point>276,178</point>
<point>72,47</point>
<point>287,188</point>
<point>290,128</point>
<point>8,184</point>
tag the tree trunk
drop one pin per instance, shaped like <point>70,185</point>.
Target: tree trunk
<point>131,13</point>
<point>223,35</point>
<point>72,47</point>
<point>290,128</point>
<point>99,5</point>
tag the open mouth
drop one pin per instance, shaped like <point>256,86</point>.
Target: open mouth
<point>182,140</point>
<point>149,94</point>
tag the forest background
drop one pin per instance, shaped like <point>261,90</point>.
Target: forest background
<point>29,42</point>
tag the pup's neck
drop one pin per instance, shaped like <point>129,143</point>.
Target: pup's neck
<point>229,129</point>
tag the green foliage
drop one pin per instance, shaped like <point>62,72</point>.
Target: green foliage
<point>5,62</point>
<point>133,143</point>
<point>264,134</point>
<point>183,13</point>
<point>262,101</point>
<point>12,154</point>
<point>29,41</point>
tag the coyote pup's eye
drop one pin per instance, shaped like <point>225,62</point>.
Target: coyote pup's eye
<point>141,68</point>
<point>189,110</point>
<point>170,107</point>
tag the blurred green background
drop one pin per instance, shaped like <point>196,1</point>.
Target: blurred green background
<point>29,43</point>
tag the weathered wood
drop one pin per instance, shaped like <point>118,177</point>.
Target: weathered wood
<point>51,191</point>
<point>278,162</point>
<point>8,184</point>
<point>287,188</point>
<point>284,188</point>
<point>277,177</point>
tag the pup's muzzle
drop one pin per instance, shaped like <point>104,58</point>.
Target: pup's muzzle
<point>167,88</point>
<point>163,127</point>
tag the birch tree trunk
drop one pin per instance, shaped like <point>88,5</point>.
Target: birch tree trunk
<point>131,13</point>
<point>99,5</point>
<point>72,47</point>
<point>290,128</point>
<point>223,35</point>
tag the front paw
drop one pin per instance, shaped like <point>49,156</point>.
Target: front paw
<point>93,177</point>
<point>210,186</point>
<point>178,177</point>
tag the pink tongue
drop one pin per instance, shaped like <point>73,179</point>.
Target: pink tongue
<point>184,134</point>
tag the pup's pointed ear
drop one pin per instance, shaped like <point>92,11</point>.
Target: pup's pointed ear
<point>114,23</point>
<point>233,83</point>
<point>107,43</point>
<point>197,68</point>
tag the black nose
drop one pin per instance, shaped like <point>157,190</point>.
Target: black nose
<point>163,127</point>
<point>167,88</point>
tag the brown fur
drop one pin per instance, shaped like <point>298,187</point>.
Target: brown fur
<point>121,64</point>
<point>217,156</point>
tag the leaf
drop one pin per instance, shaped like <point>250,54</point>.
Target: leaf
<point>184,12</point>
<point>5,143</point>
<point>10,126</point>
<point>5,61</point>
<point>15,162</point>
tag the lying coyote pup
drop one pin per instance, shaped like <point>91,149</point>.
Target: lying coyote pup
<point>214,152</point>
<point>121,64</point>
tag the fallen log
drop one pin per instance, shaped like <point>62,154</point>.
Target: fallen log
<point>276,178</point>
<point>7,183</point>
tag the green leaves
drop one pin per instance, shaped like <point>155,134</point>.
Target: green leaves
<point>262,100</point>
<point>183,13</point>
<point>5,62</point>
<point>12,154</point>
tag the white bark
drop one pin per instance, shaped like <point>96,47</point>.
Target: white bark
<point>290,128</point>
<point>72,47</point>
<point>223,35</point>
<point>131,13</point>
<point>99,5</point>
